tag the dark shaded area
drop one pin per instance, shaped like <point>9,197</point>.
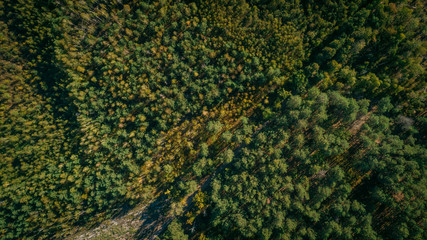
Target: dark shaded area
<point>155,219</point>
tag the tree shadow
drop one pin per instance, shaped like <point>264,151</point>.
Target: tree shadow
<point>122,211</point>
<point>155,219</point>
<point>48,79</point>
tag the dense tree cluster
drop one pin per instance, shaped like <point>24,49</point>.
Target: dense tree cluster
<point>289,186</point>
<point>255,119</point>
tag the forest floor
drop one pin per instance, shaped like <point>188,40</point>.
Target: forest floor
<point>144,221</point>
<point>122,227</point>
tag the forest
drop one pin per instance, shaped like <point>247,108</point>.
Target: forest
<point>213,120</point>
